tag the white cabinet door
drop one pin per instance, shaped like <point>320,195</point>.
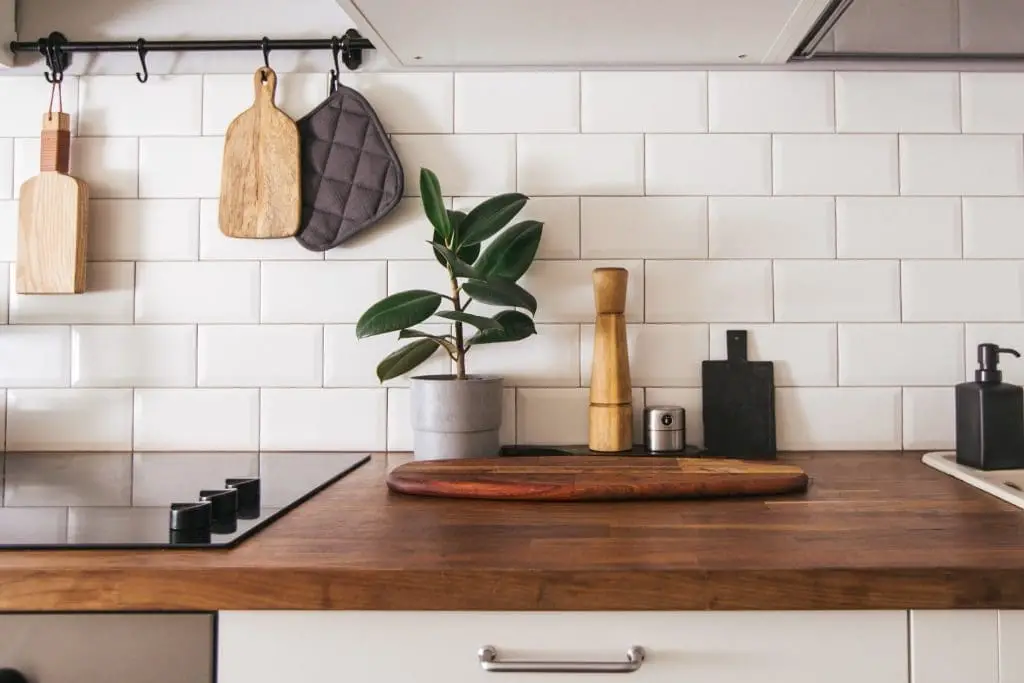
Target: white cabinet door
<point>955,646</point>
<point>6,31</point>
<point>441,647</point>
<point>1011,646</point>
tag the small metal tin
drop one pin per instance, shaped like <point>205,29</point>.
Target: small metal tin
<point>664,429</point>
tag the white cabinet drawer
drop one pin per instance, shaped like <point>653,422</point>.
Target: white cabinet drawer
<point>954,646</point>
<point>441,647</point>
<point>1011,646</point>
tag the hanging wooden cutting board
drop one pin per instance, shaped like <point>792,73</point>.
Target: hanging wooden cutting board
<point>580,478</point>
<point>52,218</point>
<point>259,189</point>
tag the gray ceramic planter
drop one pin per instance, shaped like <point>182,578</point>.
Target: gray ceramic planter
<point>456,418</point>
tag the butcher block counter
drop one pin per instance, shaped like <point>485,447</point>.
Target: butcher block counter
<point>874,531</point>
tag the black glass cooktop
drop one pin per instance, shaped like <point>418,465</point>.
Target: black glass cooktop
<point>220,515</point>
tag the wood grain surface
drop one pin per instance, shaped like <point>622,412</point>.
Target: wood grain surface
<point>594,478</point>
<point>875,531</point>
<point>611,392</point>
<point>259,195</point>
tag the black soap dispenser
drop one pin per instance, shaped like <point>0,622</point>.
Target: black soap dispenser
<point>990,416</point>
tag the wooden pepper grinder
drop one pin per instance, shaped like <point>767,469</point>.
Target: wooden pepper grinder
<point>611,392</point>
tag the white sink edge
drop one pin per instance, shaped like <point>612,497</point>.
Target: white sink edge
<point>992,482</point>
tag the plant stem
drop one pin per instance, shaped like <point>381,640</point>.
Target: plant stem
<point>460,348</point>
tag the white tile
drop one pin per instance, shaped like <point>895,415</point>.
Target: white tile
<point>970,291</point>
<point>929,418</point>
<point>1007,335</point>
<point>507,434</point>
<point>708,164</point>
<point>465,164</point>
<point>9,230</point>
<point>401,235</point>
<point>558,417</point>
<point>561,218</point>
<point>692,401</point>
<point>844,291</point>
<point>550,358</point>
<point>5,288</point>
<point>772,227</point>
<point>180,167</point>
<point>517,102</point>
<point>35,356</point>
<point>805,355</point>
<point>351,362</point>
<point>408,102</point>
<point>227,96</point>
<point>67,479</point>
<point>881,102</point>
<point>659,355</point>
<point>108,298</point>
<point>109,166</point>
<point>961,165</point>
<point>194,292</point>
<point>708,291</point>
<point>771,102</point>
<point>565,289</point>
<point>836,165</point>
<point>901,355</point>
<point>7,168</point>
<point>644,227</point>
<point>580,164</point>
<point>327,292</point>
<point>898,227</point>
<point>120,105</point>
<point>143,230</point>
<point>216,246</point>
<point>840,418</point>
<point>69,419</point>
<point>992,227</point>
<point>993,102</point>
<point>197,419</point>
<point>260,356</point>
<point>26,165</point>
<point>133,356</point>
<point>159,479</point>
<point>644,101</point>
<point>403,275</point>
<point>323,419</point>
<point>32,92</point>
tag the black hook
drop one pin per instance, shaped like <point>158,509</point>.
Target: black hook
<point>56,59</point>
<point>141,47</point>
<point>336,71</point>
<point>265,46</point>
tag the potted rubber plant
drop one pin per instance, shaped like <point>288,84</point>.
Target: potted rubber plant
<point>459,415</point>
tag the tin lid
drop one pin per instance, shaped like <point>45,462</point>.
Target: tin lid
<point>664,418</point>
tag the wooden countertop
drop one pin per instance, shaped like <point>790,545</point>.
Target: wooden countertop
<point>876,530</point>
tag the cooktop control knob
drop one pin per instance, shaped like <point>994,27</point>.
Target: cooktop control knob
<point>224,502</point>
<point>248,496</point>
<point>191,516</point>
<point>12,676</point>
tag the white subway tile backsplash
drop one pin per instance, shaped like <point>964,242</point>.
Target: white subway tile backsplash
<point>970,291</point>
<point>929,418</point>
<point>196,292</point>
<point>197,419</point>
<point>408,102</point>
<point>225,96</point>
<point>560,216</point>
<point>1005,334</point>
<point>836,165</point>
<point>805,355</point>
<point>690,400</point>
<point>109,166</point>
<point>69,419</point>
<point>8,230</point>
<point>352,362</point>
<point>321,292</point>
<point>659,355</point>
<point>898,227</point>
<point>25,152</point>
<point>894,102</point>
<point>993,102</point>
<point>962,165</point>
<point>708,291</point>
<point>120,105</point>
<point>643,227</point>
<point>708,164</point>
<point>565,289</point>
<point>992,227</point>
<point>67,479</point>
<point>772,227</point>
<point>109,298</point>
<point>260,356</point>
<point>558,417</point>
<point>843,291</point>
<point>143,230</point>
<point>179,167</point>
<point>34,93</point>
<point>517,102</point>
<point>580,164</point>
<point>771,102</point>
<point>160,479</point>
<point>323,419</point>
<point>550,358</point>
<point>882,354</point>
<point>465,164</point>
<point>35,355</point>
<point>6,168</point>
<point>644,102</point>
<point>216,246</point>
<point>4,290</point>
<point>839,418</point>
<point>133,356</point>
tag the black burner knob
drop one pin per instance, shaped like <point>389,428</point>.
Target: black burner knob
<point>191,516</point>
<point>224,502</point>
<point>188,537</point>
<point>248,496</point>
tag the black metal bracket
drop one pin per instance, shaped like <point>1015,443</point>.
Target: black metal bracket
<point>352,49</point>
<point>57,59</point>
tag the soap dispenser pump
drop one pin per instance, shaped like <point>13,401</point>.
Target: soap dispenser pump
<point>990,416</point>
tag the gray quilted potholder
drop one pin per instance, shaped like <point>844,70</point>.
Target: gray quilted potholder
<point>351,176</point>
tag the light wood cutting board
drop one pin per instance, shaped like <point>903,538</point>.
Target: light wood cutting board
<point>260,194</point>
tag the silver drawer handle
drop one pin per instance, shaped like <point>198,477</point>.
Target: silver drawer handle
<point>634,660</point>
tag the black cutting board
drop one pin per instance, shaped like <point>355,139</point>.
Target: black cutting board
<point>739,403</point>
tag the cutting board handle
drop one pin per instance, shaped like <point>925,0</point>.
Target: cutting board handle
<point>265,84</point>
<point>55,143</point>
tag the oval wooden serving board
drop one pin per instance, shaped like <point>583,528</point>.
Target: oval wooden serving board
<point>580,478</point>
